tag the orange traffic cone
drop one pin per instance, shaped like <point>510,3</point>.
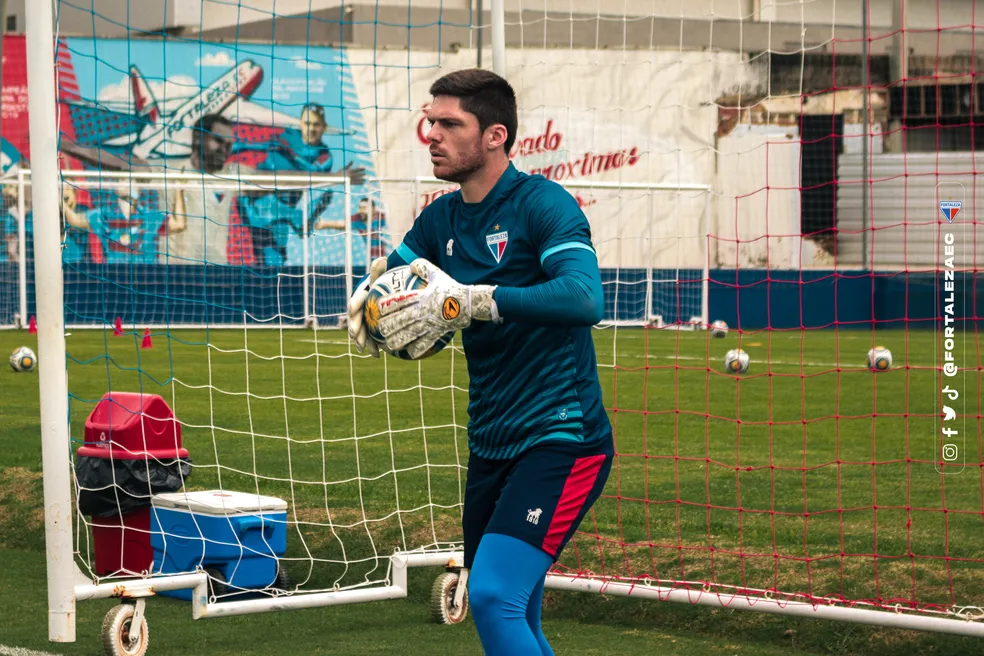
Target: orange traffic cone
<point>118,328</point>
<point>32,326</point>
<point>146,343</point>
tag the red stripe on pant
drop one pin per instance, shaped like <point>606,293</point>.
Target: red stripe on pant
<point>579,482</point>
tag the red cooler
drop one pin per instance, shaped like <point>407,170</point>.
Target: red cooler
<point>127,426</point>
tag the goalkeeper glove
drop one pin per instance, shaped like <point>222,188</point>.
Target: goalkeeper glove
<point>356,319</point>
<point>416,319</point>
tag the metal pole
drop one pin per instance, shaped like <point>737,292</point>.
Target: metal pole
<point>499,37</point>
<point>647,309</point>
<point>705,285</point>
<point>866,92</point>
<point>307,222</point>
<point>956,625</point>
<point>900,58</point>
<point>347,205</point>
<point>53,379</point>
<point>481,24</point>
<point>22,246</point>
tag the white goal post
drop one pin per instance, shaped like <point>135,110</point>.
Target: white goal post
<point>308,276</point>
<point>664,283</point>
<point>660,231</point>
<point>660,239</point>
<point>63,574</point>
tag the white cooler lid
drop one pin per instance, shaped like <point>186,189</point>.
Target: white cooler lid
<point>219,502</point>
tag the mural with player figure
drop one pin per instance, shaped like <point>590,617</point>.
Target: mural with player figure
<point>10,203</point>
<point>224,112</point>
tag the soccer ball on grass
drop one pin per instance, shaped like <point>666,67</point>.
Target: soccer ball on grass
<point>879,359</point>
<point>395,280</point>
<point>719,329</point>
<point>23,359</point>
<point>736,361</point>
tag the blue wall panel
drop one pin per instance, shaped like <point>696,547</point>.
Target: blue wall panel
<point>750,299</point>
<point>753,299</point>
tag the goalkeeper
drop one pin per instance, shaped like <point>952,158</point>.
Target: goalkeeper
<point>509,262</point>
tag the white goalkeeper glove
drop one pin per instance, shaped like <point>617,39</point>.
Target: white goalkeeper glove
<point>356,321</point>
<point>415,320</point>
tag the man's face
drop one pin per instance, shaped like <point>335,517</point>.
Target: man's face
<point>68,196</point>
<point>216,147</point>
<point>312,128</point>
<point>455,140</point>
<point>9,195</point>
<point>364,207</point>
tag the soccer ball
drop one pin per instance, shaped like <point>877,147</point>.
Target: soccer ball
<point>879,359</point>
<point>395,280</point>
<point>719,329</point>
<point>23,359</point>
<point>736,361</point>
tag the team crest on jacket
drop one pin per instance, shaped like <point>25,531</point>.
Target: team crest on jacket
<point>497,243</point>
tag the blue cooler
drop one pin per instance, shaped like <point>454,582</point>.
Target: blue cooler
<point>240,535</point>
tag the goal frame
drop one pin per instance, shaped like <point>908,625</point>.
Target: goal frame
<point>162,181</point>
<point>66,583</point>
<point>650,318</point>
<point>21,181</point>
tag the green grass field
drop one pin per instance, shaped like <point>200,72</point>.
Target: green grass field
<point>809,474</point>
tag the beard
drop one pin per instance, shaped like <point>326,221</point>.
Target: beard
<point>461,169</point>
<point>214,161</point>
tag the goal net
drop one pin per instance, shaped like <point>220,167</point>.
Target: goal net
<point>781,167</point>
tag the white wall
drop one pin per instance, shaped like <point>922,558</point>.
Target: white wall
<point>214,15</point>
<point>757,219</point>
<point>904,220</point>
<point>599,117</point>
<point>112,16</point>
<point>918,13</point>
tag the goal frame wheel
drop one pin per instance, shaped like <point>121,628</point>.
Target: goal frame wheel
<point>283,583</point>
<point>117,638</point>
<point>217,584</point>
<point>442,598</point>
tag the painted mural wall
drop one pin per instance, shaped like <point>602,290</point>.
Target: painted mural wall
<point>591,120</point>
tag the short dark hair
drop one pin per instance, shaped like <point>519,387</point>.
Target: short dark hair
<point>486,95</point>
<point>206,125</point>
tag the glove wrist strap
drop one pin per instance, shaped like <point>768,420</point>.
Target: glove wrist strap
<point>483,306</point>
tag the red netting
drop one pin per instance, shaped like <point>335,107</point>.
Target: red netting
<point>814,476</point>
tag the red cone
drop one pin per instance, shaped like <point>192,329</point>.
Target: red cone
<point>118,327</point>
<point>32,326</point>
<point>146,343</point>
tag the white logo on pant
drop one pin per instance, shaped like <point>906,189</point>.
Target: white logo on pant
<point>450,246</point>
<point>533,516</point>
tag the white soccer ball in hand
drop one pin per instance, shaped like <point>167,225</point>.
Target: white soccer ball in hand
<point>23,359</point>
<point>736,361</point>
<point>397,279</point>
<point>719,329</point>
<point>879,359</point>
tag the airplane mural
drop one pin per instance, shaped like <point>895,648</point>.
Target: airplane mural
<point>157,129</point>
<point>142,118</point>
